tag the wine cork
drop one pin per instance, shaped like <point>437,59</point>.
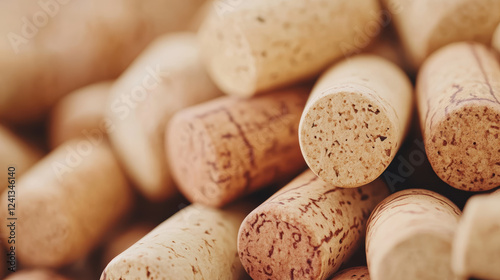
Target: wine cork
<point>496,39</point>
<point>144,98</point>
<point>15,153</point>
<point>36,274</point>
<point>80,114</point>
<point>459,104</point>
<point>355,273</point>
<point>477,241</point>
<point>221,150</point>
<point>67,202</point>
<point>123,240</point>
<point>409,236</point>
<point>196,243</point>
<point>355,120</point>
<point>256,46</point>
<point>307,229</point>
<point>446,21</point>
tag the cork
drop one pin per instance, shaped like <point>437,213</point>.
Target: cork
<point>17,153</point>
<point>307,229</point>
<point>477,241</point>
<point>36,274</point>
<point>123,240</point>
<point>158,84</point>
<point>256,46</point>
<point>196,243</point>
<point>80,114</point>
<point>496,39</point>
<point>221,150</point>
<point>355,120</point>
<point>355,273</point>
<point>409,236</point>
<point>459,106</point>
<point>445,22</point>
<point>66,203</point>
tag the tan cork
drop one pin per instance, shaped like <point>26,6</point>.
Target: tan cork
<point>307,229</point>
<point>196,243</point>
<point>167,77</point>
<point>67,202</point>
<point>35,274</point>
<point>496,40</point>
<point>80,114</point>
<point>256,46</point>
<point>355,273</point>
<point>409,237</point>
<point>229,147</point>
<point>355,120</point>
<point>476,245</point>
<point>458,92</point>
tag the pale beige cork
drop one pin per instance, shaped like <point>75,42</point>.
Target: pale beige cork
<point>66,203</point>
<point>307,230</point>
<point>424,26</point>
<point>496,40</point>
<point>355,120</point>
<point>223,149</point>
<point>255,46</point>
<point>409,237</point>
<point>36,274</point>
<point>355,273</point>
<point>15,152</point>
<point>80,114</point>
<point>476,245</point>
<point>167,77</point>
<point>123,240</point>
<point>196,243</point>
<point>458,92</point>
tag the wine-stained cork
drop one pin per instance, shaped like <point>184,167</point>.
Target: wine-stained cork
<point>66,203</point>
<point>80,114</point>
<point>167,77</point>
<point>123,240</point>
<point>496,39</point>
<point>355,273</point>
<point>476,245</point>
<point>36,274</point>
<point>458,93</point>
<point>307,229</point>
<point>355,120</point>
<point>255,46</point>
<point>223,149</point>
<point>446,21</point>
<point>409,236</point>
<point>196,243</point>
<point>15,153</point>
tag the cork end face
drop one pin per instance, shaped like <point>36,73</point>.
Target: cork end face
<point>347,139</point>
<point>464,149</point>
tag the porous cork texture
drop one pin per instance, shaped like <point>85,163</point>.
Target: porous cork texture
<point>409,237</point>
<point>221,150</point>
<point>476,245</point>
<point>69,200</point>
<point>307,230</point>
<point>157,85</point>
<point>198,242</point>
<point>446,22</point>
<point>260,45</point>
<point>458,91</point>
<point>355,273</point>
<point>355,120</point>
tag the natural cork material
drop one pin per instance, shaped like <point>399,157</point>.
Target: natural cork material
<point>122,240</point>
<point>196,243</point>
<point>446,21</point>
<point>477,242</point>
<point>167,77</point>
<point>355,120</point>
<point>260,45</point>
<point>67,202</point>
<point>36,274</point>
<point>409,237</point>
<point>496,40</point>
<point>458,92</point>
<point>229,147</point>
<point>355,273</point>
<point>307,229</point>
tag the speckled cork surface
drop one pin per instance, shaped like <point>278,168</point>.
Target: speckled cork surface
<point>458,92</point>
<point>307,229</point>
<point>260,45</point>
<point>223,149</point>
<point>355,120</point>
<point>355,273</point>
<point>409,237</point>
